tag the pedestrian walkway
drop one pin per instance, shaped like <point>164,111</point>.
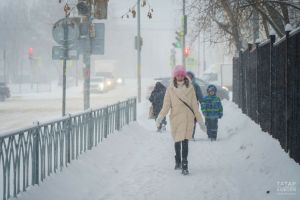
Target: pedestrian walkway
<point>137,164</point>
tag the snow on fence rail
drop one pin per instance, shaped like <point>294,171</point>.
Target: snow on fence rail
<point>266,86</point>
<point>28,156</point>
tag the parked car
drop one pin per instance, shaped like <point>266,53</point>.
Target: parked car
<point>99,84</point>
<point>4,91</point>
<point>223,93</point>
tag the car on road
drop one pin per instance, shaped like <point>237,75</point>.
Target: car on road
<point>110,80</point>
<point>120,81</point>
<point>99,84</point>
<point>223,92</point>
<point>4,91</point>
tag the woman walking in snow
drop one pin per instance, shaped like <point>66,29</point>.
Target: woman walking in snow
<point>181,99</point>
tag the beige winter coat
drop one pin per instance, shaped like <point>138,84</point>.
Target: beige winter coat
<point>181,117</point>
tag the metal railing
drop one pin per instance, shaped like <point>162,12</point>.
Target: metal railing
<point>28,156</point>
<point>266,86</point>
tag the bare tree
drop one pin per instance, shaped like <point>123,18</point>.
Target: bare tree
<point>231,19</point>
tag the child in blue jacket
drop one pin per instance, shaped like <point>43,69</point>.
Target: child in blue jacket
<point>212,109</point>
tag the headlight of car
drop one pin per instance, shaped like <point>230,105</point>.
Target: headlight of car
<point>101,86</point>
<point>119,80</point>
<point>225,88</point>
<point>108,82</point>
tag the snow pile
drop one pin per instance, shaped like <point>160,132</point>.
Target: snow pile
<point>137,163</point>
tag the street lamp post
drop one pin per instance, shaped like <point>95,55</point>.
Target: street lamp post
<point>87,62</point>
<point>184,33</point>
<point>66,30</point>
<point>139,49</point>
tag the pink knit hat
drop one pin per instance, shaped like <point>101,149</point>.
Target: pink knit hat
<point>179,70</point>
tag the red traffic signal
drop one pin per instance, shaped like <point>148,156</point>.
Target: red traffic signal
<point>30,51</point>
<point>186,51</point>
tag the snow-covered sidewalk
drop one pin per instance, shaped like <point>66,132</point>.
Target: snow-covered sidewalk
<point>138,163</point>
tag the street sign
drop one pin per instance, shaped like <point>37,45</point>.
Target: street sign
<point>58,53</point>
<point>84,29</point>
<point>73,30</point>
<point>94,45</point>
<point>98,41</point>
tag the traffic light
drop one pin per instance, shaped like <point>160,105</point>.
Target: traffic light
<point>100,9</point>
<point>185,24</point>
<point>30,52</point>
<point>178,38</point>
<point>186,51</point>
<point>83,8</point>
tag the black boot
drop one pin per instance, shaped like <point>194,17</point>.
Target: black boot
<point>177,162</point>
<point>185,170</point>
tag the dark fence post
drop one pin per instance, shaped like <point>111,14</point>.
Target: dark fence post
<point>235,79</point>
<point>257,83</point>
<point>243,84</point>
<point>253,82</point>
<point>135,109</point>
<point>106,121</point>
<point>68,139</point>
<point>248,80</point>
<point>289,90</point>
<point>264,86</point>
<point>241,79</point>
<point>240,83</point>
<point>90,129</point>
<point>127,111</point>
<point>272,84</point>
<point>36,155</point>
<point>118,117</point>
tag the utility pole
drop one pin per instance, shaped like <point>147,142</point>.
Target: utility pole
<point>139,49</point>
<point>87,62</point>
<point>184,33</point>
<point>66,33</point>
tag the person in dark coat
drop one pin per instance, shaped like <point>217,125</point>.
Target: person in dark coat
<point>157,100</point>
<point>198,92</point>
<point>197,88</point>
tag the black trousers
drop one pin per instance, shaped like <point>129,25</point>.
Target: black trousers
<point>185,149</point>
<point>212,127</point>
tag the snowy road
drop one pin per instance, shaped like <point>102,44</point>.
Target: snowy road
<point>23,109</point>
<point>137,163</point>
